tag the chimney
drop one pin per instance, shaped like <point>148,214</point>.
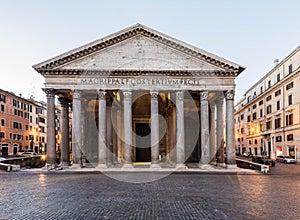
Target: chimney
<point>276,62</point>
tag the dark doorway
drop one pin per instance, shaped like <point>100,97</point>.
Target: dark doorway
<point>15,150</point>
<point>143,146</point>
<point>4,151</point>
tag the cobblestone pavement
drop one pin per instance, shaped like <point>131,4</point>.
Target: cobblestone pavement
<point>57,195</point>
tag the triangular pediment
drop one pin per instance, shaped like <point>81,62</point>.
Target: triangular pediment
<point>138,48</point>
<point>140,53</point>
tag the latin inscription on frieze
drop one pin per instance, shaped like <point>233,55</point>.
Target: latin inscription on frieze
<point>141,81</point>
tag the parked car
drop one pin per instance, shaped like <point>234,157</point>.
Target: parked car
<point>263,160</point>
<point>20,152</point>
<point>247,154</point>
<point>285,159</point>
<point>28,154</point>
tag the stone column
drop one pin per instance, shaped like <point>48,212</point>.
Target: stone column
<point>83,131</point>
<point>212,134</point>
<point>65,152</point>
<point>76,129</point>
<point>154,130</point>
<point>173,134</point>
<point>127,130</point>
<point>120,135</point>
<point>205,151</point>
<point>114,133</point>
<point>109,136</point>
<point>180,151</point>
<point>230,149</point>
<point>51,138</point>
<point>220,132</point>
<point>102,144</point>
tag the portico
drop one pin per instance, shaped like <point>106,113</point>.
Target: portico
<point>142,96</point>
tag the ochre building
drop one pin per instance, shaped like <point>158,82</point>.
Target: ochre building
<point>140,96</point>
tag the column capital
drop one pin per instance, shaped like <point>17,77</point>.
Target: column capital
<point>204,96</point>
<point>154,94</point>
<point>50,92</point>
<point>76,94</point>
<point>229,94</point>
<point>127,94</point>
<point>64,101</point>
<point>101,94</point>
<point>179,95</point>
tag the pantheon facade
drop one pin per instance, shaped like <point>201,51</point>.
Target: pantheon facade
<point>139,96</point>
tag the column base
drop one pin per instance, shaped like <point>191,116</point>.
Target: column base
<point>206,166</point>
<point>155,166</point>
<point>76,166</point>
<point>232,167</point>
<point>127,166</point>
<point>50,166</point>
<point>223,165</point>
<point>65,164</point>
<point>101,166</point>
<point>181,167</point>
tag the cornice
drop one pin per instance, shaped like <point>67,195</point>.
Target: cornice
<point>128,33</point>
<point>81,72</point>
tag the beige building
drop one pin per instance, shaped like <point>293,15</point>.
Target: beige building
<point>267,118</point>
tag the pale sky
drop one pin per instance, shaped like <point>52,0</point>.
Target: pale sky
<point>252,33</point>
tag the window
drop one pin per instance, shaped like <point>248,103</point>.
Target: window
<point>242,130</point>
<point>261,90</point>
<point>290,85</point>
<point>30,108</point>
<point>2,122</point>
<point>277,123</point>
<point>2,135</point>
<point>16,125</point>
<point>248,118</point>
<point>289,119</point>
<point>14,103</point>
<point>26,127</point>
<point>269,84</point>
<point>254,115</point>
<point>254,95</point>
<point>249,109</point>
<point>278,105</point>
<point>261,102</point>
<point>242,116</point>
<point>269,109</point>
<point>2,98</point>
<point>261,113</point>
<point>250,142</point>
<point>269,98</point>
<point>248,98</point>
<point>278,138</point>
<point>290,99</point>
<point>254,106</point>
<point>268,125</point>
<point>290,68</point>
<point>2,108</point>
<point>42,120</point>
<point>290,137</point>
<point>277,93</point>
<point>15,112</point>
<point>255,141</point>
<point>278,77</point>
